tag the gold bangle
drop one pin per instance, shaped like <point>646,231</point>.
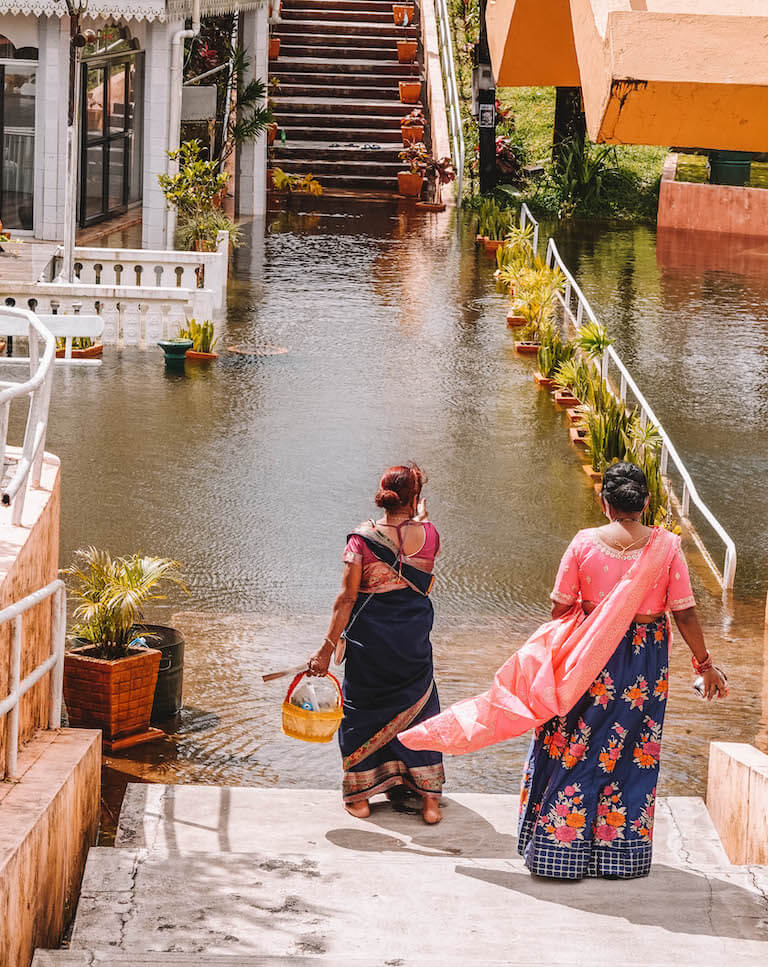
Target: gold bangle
<point>331,643</point>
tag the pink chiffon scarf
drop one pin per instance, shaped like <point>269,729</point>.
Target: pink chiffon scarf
<point>552,670</point>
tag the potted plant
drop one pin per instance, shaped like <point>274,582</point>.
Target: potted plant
<point>410,182</point>
<point>109,677</point>
<point>274,46</point>
<point>303,184</point>
<point>203,341</point>
<point>410,91</point>
<point>437,172</point>
<point>553,352</point>
<point>403,14</point>
<point>407,51</point>
<point>412,127</point>
<point>82,348</point>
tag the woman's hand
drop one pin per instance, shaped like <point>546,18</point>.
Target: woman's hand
<point>714,684</point>
<point>319,662</point>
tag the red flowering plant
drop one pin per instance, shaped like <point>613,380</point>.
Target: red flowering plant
<point>415,156</point>
<point>438,172</point>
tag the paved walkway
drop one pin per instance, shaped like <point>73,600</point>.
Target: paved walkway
<point>219,877</point>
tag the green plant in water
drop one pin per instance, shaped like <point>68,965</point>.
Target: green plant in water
<point>196,185</point>
<point>592,338</point>
<point>573,374</point>
<point>606,432</point>
<point>553,352</point>
<point>200,230</point>
<point>78,342</point>
<point>296,183</point>
<point>536,289</point>
<point>113,593</point>
<point>201,335</point>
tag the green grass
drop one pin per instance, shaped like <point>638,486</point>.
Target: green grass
<point>693,168</point>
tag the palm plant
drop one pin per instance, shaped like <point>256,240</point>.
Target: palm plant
<point>606,432</point>
<point>593,339</point>
<point>112,594</point>
<point>573,374</point>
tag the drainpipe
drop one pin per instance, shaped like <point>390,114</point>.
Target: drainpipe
<point>174,106</point>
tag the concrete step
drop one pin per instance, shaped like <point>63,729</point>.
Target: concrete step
<point>346,170</point>
<point>97,958</point>
<point>369,17</point>
<point>314,151</point>
<point>293,48</point>
<point>352,27</point>
<point>320,7</point>
<point>342,107</point>
<point>311,89</point>
<point>296,133</point>
<point>334,66</point>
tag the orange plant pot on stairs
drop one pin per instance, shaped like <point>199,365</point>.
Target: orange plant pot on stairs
<point>407,51</point>
<point>410,91</point>
<point>412,135</point>
<point>399,11</point>
<point>274,48</point>
<point>410,183</point>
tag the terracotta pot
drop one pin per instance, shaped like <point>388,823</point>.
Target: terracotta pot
<point>410,91</point>
<point>409,184</point>
<point>203,245</point>
<point>572,412</point>
<point>491,244</point>
<point>413,134</point>
<point>407,51</point>
<point>545,382</point>
<point>565,398</point>
<point>514,321</point>
<point>274,48</point>
<point>592,474</point>
<point>271,132</point>
<point>114,696</point>
<point>399,11</point>
<point>578,437</point>
<point>195,357</point>
<point>527,348</point>
<point>92,352</point>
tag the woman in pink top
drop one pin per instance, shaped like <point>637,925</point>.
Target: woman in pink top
<point>589,783</point>
<point>381,622</point>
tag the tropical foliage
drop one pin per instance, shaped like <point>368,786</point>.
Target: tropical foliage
<point>308,184</point>
<point>113,593</point>
<point>201,334</point>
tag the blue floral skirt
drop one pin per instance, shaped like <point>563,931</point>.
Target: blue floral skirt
<point>589,783</point>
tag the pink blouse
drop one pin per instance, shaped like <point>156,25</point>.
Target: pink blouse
<point>378,576</point>
<point>590,568</point>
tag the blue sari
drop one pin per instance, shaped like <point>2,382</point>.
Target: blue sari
<point>388,686</point>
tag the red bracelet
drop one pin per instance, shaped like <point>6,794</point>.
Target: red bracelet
<point>702,666</point>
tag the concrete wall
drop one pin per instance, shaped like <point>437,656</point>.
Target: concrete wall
<point>29,559</point>
<point>48,821</point>
<point>251,162</point>
<point>737,800</point>
<point>711,208</point>
<point>531,43</point>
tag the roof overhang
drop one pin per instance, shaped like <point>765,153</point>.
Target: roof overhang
<point>130,9</point>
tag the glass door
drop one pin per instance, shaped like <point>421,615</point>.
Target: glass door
<point>110,149</point>
<point>17,138</point>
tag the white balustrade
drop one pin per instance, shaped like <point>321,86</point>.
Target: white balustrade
<point>526,218</point>
<point>54,592</point>
<point>577,311</point>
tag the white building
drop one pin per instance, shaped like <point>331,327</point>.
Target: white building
<point>126,98</point>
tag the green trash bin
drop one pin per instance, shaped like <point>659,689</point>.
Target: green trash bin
<point>729,167</point>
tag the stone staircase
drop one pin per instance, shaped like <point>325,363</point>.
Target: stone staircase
<point>242,877</point>
<point>338,100</point>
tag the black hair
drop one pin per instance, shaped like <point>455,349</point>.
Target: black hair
<point>625,487</point>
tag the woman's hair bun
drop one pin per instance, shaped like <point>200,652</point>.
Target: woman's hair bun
<point>399,485</point>
<point>625,487</point>
<point>387,498</point>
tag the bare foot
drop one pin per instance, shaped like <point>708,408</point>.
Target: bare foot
<point>360,810</point>
<point>430,810</point>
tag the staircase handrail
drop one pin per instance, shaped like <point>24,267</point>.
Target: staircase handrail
<point>453,100</point>
<point>38,388</point>
<point>668,451</point>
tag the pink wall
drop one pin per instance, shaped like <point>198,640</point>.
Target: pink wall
<point>711,208</point>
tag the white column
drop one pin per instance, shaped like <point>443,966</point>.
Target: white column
<point>51,127</point>
<point>157,64</point>
<point>251,188</point>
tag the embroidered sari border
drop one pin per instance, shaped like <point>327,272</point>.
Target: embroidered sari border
<point>377,741</point>
<point>425,780</point>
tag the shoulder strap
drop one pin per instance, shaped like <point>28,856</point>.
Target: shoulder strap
<point>419,581</point>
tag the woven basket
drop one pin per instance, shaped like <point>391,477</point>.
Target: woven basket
<point>300,723</point>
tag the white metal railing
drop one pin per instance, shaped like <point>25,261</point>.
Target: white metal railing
<point>581,312</point>
<point>452,94</point>
<point>54,663</point>
<point>526,218</point>
<point>37,389</point>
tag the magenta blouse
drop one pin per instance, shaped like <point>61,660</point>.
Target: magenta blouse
<point>378,576</point>
<point>590,568</point>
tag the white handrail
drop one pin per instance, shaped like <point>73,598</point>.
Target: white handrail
<point>38,389</point>
<point>54,663</point>
<point>526,218</point>
<point>454,101</point>
<point>668,451</point>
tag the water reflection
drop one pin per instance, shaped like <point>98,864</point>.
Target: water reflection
<point>252,472</point>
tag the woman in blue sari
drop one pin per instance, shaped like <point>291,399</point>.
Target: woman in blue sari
<point>381,624</point>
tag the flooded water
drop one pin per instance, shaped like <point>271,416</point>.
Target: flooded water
<point>252,472</point>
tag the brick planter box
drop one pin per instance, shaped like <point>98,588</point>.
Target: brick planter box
<point>114,696</point>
